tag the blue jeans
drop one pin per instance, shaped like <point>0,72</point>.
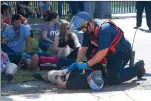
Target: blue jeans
<point>44,45</point>
<point>10,52</point>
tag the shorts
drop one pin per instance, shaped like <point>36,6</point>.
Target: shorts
<point>48,63</point>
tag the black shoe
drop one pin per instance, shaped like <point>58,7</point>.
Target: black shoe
<point>136,27</point>
<point>37,75</point>
<point>140,69</point>
<point>149,28</point>
<point>7,77</point>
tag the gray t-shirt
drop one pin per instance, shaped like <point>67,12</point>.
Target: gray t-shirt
<point>51,31</point>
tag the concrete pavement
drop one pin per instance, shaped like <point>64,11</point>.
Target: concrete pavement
<point>132,90</point>
<point>133,95</point>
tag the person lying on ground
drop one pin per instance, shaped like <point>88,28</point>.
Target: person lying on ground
<point>91,79</point>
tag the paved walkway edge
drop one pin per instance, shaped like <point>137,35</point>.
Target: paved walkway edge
<point>132,95</point>
<point>125,15</point>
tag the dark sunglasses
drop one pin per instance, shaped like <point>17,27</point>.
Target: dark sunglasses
<point>68,28</point>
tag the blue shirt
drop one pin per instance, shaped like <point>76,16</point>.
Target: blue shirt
<point>17,41</point>
<point>106,35</point>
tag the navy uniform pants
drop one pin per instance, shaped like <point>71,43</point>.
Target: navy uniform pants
<point>140,6</point>
<point>117,72</point>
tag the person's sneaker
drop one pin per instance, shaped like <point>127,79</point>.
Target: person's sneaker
<point>141,70</point>
<point>37,75</point>
<point>25,63</point>
<point>7,77</point>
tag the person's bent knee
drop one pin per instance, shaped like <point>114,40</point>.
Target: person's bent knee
<point>64,52</point>
<point>34,61</point>
<point>61,52</point>
<point>11,68</point>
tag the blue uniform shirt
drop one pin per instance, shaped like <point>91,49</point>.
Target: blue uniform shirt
<point>106,35</point>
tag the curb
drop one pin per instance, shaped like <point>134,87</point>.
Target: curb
<point>126,15</point>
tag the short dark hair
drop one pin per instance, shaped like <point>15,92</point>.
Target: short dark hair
<point>51,15</point>
<point>16,17</point>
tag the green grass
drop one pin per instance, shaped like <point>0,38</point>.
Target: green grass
<point>23,76</point>
<point>34,41</point>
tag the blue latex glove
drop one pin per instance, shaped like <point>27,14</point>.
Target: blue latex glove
<point>82,66</point>
<point>72,67</point>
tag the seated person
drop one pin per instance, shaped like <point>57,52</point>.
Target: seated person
<point>74,80</point>
<point>3,24</point>
<point>7,68</point>
<point>16,36</point>
<point>66,41</point>
<point>44,6</point>
<point>71,78</point>
<point>14,57</point>
<point>5,12</point>
<point>24,8</point>
<point>49,29</point>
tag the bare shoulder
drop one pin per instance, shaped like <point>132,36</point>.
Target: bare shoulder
<point>73,34</point>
